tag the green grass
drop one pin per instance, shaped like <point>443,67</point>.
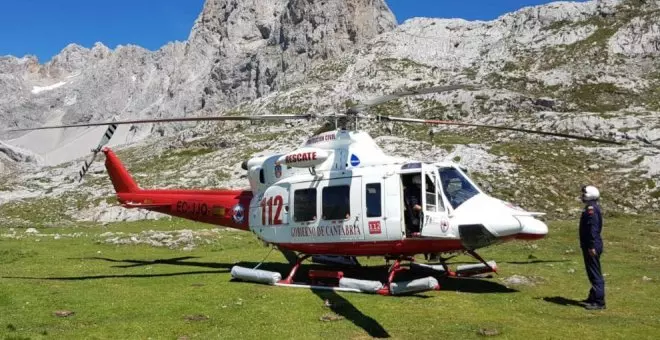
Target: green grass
<point>328,70</point>
<point>141,292</point>
<point>43,210</point>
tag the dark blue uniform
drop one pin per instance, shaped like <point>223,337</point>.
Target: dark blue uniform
<point>412,198</point>
<point>591,224</point>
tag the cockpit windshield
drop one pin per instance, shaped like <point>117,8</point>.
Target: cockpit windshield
<point>456,186</point>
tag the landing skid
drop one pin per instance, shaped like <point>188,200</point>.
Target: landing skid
<point>464,270</point>
<point>334,280</point>
<point>340,283</point>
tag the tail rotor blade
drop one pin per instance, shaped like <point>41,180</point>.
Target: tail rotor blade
<point>106,137</point>
<point>86,166</point>
<point>104,140</point>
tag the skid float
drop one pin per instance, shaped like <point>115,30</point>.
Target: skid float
<point>334,280</point>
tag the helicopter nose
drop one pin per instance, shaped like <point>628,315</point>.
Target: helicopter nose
<point>532,228</point>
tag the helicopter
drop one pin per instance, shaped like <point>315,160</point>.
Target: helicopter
<point>339,196</point>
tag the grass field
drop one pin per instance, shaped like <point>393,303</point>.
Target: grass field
<point>146,292</point>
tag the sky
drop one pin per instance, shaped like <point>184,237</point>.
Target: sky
<point>44,27</point>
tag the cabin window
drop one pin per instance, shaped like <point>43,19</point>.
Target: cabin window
<point>261,176</point>
<point>431,202</point>
<point>337,202</point>
<point>373,200</point>
<point>304,205</point>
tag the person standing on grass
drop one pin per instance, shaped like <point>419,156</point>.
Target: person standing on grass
<point>591,225</point>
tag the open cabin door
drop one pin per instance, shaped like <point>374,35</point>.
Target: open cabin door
<point>435,220</point>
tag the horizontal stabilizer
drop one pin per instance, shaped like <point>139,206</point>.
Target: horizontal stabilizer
<point>145,205</point>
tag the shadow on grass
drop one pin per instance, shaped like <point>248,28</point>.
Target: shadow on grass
<point>340,306</point>
<point>96,277</point>
<point>137,263</point>
<point>376,273</point>
<point>536,261</point>
<point>558,300</point>
<point>173,261</point>
<point>473,285</point>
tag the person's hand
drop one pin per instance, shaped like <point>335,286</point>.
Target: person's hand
<point>592,252</point>
<point>417,207</point>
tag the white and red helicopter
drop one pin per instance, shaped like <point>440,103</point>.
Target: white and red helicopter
<point>339,196</point>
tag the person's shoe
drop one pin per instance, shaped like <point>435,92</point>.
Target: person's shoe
<point>593,306</point>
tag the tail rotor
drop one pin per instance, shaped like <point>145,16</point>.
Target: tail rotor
<point>104,140</point>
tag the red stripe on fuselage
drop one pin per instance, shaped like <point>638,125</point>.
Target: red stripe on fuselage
<point>407,247</point>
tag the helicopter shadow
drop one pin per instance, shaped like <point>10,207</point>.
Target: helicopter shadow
<point>376,273</point>
<point>175,261</point>
<point>536,261</point>
<point>336,303</point>
<point>341,306</point>
<point>473,285</point>
<point>523,262</point>
<point>221,269</point>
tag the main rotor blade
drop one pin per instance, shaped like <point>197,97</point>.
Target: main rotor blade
<point>396,95</point>
<point>169,120</point>
<point>497,127</point>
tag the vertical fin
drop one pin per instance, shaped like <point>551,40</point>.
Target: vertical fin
<point>121,179</point>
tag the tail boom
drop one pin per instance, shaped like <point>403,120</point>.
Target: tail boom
<point>227,208</point>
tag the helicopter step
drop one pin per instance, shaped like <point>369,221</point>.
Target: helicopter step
<point>475,269</point>
<point>348,261</point>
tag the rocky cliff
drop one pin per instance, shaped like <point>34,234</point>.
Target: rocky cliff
<point>583,67</point>
<point>237,51</point>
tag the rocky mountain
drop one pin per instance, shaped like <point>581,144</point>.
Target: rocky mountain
<point>589,68</point>
<point>237,51</point>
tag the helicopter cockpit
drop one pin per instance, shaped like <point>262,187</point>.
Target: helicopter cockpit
<point>438,189</point>
<point>456,186</point>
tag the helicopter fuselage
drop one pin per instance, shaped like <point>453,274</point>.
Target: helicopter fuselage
<point>340,194</point>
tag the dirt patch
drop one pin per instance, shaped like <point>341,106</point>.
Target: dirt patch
<point>196,317</point>
<point>331,317</point>
<point>64,313</point>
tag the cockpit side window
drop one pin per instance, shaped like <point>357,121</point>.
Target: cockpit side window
<point>456,186</point>
<point>431,204</point>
